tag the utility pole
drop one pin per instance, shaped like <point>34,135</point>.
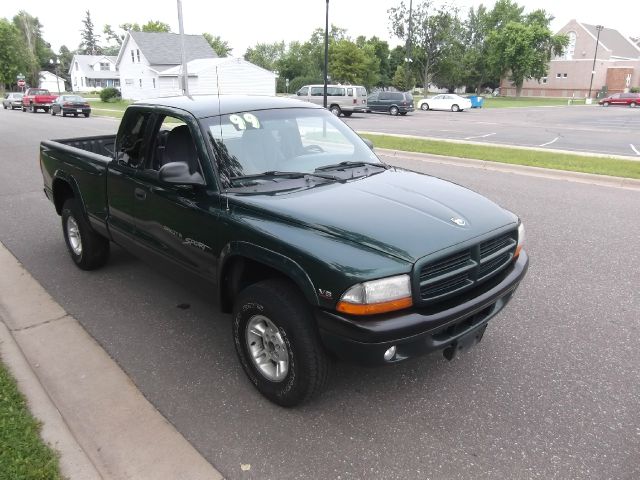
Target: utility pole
<point>599,28</point>
<point>185,74</point>
<point>407,63</point>
<point>326,54</point>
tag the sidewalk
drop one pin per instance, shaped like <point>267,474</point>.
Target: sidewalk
<point>91,412</point>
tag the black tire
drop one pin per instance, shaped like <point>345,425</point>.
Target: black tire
<point>403,113</point>
<point>424,106</point>
<point>5,107</point>
<point>605,104</point>
<point>455,108</point>
<point>63,114</point>
<point>86,115</point>
<point>33,109</point>
<point>633,104</point>
<point>347,114</point>
<point>24,109</point>
<point>283,305</point>
<point>94,248</point>
<point>46,109</point>
<point>393,111</point>
<point>53,112</point>
<point>75,115</point>
<point>335,109</point>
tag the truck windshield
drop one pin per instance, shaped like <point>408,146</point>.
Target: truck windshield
<point>283,140</point>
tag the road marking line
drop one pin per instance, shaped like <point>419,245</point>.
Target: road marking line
<point>549,143</point>
<point>480,136</point>
<point>634,149</point>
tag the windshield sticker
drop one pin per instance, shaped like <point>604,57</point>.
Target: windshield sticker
<point>247,120</point>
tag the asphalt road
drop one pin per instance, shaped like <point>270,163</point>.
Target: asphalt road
<point>611,131</point>
<point>552,391</point>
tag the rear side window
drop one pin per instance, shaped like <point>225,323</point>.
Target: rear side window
<point>396,97</point>
<point>335,91</point>
<point>384,96</point>
<point>131,143</point>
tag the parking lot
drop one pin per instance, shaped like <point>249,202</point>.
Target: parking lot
<point>552,391</point>
<point>593,129</point>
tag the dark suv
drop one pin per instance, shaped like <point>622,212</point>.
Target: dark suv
<point>630,99</point>
<point>393,102</point>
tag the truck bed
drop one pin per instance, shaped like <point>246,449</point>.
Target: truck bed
<point>101,145</point>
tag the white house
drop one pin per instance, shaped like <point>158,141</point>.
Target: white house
<point>52,82</point>
<point>233,76</point>
<point>144,56</point>
<point>93,72</point>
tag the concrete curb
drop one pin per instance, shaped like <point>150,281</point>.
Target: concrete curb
<point>504,145</point>
<point>102,425</point>
<point>578,177</point>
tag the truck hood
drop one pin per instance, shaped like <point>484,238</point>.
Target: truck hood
<point>404,214</point>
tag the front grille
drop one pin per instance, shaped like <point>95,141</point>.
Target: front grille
<point>461,271</point>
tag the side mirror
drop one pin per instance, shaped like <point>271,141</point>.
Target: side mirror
<point>368,142</point>
<point>177,173</point>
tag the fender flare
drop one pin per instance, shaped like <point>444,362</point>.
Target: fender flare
<point>274,260</point>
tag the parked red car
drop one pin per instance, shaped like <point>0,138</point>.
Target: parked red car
<point>37,98</point>
<point>630,99</point>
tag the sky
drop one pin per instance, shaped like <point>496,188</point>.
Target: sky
<point>243,23</point>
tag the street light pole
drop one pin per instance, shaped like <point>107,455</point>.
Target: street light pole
<point>407,64</point>
<point>599,28</point>
<point>326,54</point>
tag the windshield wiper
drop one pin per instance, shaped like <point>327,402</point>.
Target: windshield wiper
<point>351,164</point>
<point>275,173</point>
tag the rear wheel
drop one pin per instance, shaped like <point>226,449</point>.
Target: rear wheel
<point>88,249</point>
<point>335,109</point>
<point>424,106</point>
<point>455,108</point>
<point>605,104</point>
<point>633,104</point>
<point>277,342</point>
<point>393,111</point>
<point>53,112</point>
<point>347,114</point>
<point>32,108</point>
<point>87,115</point>
<point>75,114</point>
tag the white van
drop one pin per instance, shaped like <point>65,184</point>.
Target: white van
<point>341,99</point>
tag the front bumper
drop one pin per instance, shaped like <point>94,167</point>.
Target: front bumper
<point>418,331</point>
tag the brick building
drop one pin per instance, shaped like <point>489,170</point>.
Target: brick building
<point>617,65</point>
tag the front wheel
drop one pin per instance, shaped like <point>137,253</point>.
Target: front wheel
<point>605,104</point>
<point>633,104</point>
<point>53,112</point>
<point>424,106</point>
<point>455,108</point>
<point>88,249</point>
<point>24,109</point>
<point>86,115</point>
<point>335,109</point>
<point>393,111</point>
<point>277,342</point>
<point>347,114</point>
<point>33,109</point>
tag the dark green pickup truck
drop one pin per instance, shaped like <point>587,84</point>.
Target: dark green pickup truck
<point>319,249</point>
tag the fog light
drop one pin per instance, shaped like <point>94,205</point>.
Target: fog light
<point>390,353</point>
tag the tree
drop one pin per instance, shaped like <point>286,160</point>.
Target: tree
<point>66,57</point>
<point>156,26</point>
<point>265,55</point>
<point>433,31</point>
<point>401,80</point>
<point>89,44</point>
<point>38,52</point>
<point>353,65</point>
<point>522,50</point>
<point>380,50</point>
<point>13,53</point>
<point>221,47</point>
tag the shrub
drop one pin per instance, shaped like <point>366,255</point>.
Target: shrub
<point>635,90</point>
<point>108,94</point>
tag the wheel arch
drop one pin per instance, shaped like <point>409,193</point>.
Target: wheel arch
<point>64,188</point>
<point>244,263</point>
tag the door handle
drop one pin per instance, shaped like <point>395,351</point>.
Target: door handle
<point>140,194</point>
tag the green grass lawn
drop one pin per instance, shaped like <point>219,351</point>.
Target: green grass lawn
<point>512,155</point>
<point>120,105</point>
<point>23,455</point>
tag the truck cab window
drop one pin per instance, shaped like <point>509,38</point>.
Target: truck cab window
<point>131,143</point>
<point>173,142</point>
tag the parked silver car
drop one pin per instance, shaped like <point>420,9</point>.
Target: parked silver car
<point>12,100</point>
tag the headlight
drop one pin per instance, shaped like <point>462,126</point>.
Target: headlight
<point>377,296</point>
<point>521,238</point>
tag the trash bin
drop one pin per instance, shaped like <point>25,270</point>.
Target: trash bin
<point>476,101</point>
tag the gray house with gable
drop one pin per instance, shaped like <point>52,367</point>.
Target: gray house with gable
<point>144,56</point>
